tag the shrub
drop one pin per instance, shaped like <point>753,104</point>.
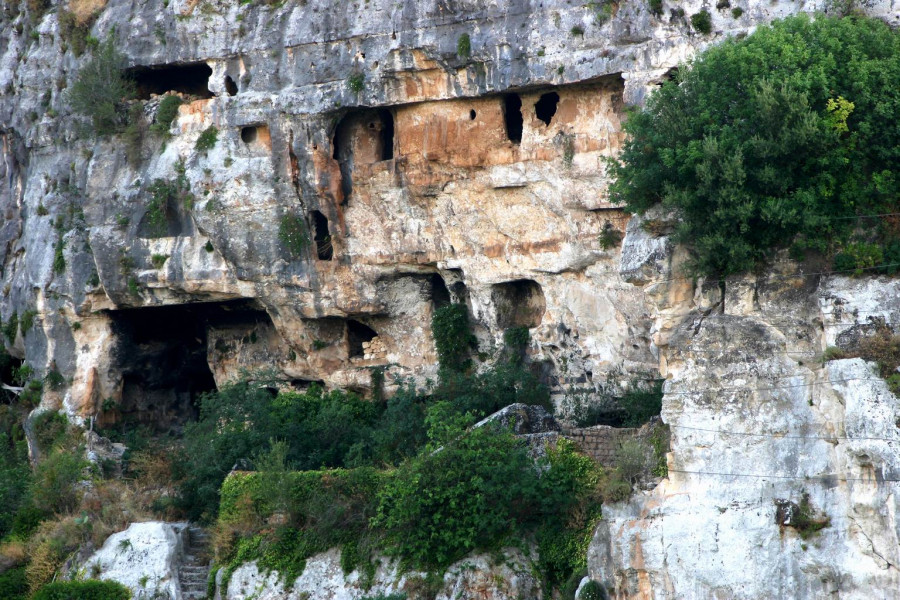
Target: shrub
<point>83,590</point>
<point>13,585</point>
<point>207,139</point>
<point>293,234</point>
<point>356,82</point>
<point>858,258</point>
<point>133,136</point>
<point>453,337</point>
<point>641,403</point>
<point>100,90</point>
<point>736,12</point>
<point>26,320</point>
<point>592,591</point>
<point>166,113</point>
<point>464,46</point>
<point>577,30</point>
<point>656,7</point>
<point>11,328</point>
<point>468,495</point>
<point>702,22</point>
<point>750,153</point>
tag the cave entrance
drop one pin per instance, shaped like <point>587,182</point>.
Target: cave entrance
<point>324,248</point>
<point>362,137</point>
<point>231,87</point>
<point>545,107</point>
<point>512,117</point>
<point>162,355</point>
<point>357,334</point>
<point>187,78</point>
<point>518,303</point>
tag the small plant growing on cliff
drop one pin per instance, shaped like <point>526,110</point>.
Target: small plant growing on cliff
<point>736,12</point>
<point>577,30</point>
<point>101,90</point>
<point>702,22</point>
<point>356,82</point>
<point>656,7</point>
<point>59,260</point>
<point>293,234</point>
<point>11,328</point>
<point>610,237</point>
<point>158,260</point>
<point>166,113</point>
<point>207,139</point>
<point>26,320</point>
<point>464,46</point>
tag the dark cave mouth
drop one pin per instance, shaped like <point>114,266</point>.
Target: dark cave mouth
<point>162,354</point>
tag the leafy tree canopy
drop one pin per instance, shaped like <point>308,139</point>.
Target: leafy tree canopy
<point>783,138</point>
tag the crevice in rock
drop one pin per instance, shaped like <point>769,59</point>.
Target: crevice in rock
<point>512,117</point>
<point>440,294</point>
<point>187,78</point>
<point>518,303</point>
<point>324,247</point>
<point>545,107</point>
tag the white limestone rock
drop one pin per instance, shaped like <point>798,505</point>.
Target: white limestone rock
<point>143,558</point>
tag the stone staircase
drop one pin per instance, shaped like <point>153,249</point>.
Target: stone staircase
<point>194,570</point>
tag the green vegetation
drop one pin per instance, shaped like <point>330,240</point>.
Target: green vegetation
<point>26,320</point>
<point>610,237</point>
<point>101,90</point>
<point>165,197</point>
<point>356,82</point>
<point>11,328</point>
<point>59,259</point>
<point>806,522</point>
<point>207,139</point>
<point>736,12</point>
<point>656,7</point>
<point>702,22</point>
<point>293,234</point>
<point>83,590</point>
<point>577,30</point>
<point>464,46</point>
<point>13,585</point>
<point>166,113</point>
<point>158,260</point>
<point>453,338</point>
<point>775,140</point>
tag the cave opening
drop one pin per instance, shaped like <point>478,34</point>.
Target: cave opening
<point>357,334</point>
<point>188,78</point>
<point>362,137</point>
<point>387,134</point>
<point>230,86</point>
<point>162,353</point>
<point>248,134</point>
<point>518,303</point>
<point>545,107</point>
<point>512,117</point>
<point>324,247</point>
<point>440,294</point>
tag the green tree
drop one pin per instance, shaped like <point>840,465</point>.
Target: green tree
<point>101,89</point>
<point>780,138</point>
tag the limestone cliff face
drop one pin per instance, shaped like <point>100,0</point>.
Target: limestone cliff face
<point>423,176</point>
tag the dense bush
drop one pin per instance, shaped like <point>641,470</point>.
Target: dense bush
<point>83,590</point>
<point>453,337</point>
<point>101,89</point>
<point>13,585</point>
<point>469,494</point>
<point>780,138</point>
<point>207,139</point>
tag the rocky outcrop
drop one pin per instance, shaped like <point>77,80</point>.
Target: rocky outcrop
<point>145,558</point>
<point>425,172</point>
<point>763,431</point>
<point>422,173</point>
<point>476,577</point>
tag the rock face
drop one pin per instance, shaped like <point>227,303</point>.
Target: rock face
<point>416,172</point>
<point>144,558</point>
<point>762,431</point>
<point>477,577</point>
